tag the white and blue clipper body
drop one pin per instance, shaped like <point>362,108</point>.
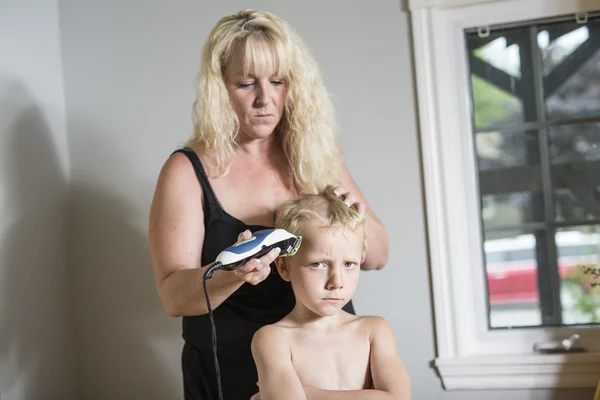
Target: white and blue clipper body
<point>257,246</point>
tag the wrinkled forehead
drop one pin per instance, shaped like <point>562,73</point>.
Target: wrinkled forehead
<point>316,234</point>
<point>258,55</point>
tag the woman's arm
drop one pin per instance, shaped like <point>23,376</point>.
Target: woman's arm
<point>176,234</point>
<point>377,237</point>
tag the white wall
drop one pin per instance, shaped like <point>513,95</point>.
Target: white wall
<point>35,322</point>
<point>129,68</point>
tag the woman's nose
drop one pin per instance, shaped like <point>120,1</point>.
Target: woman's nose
<point>263,95</point>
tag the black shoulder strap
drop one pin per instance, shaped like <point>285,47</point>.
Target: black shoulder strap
<point>209,195</point>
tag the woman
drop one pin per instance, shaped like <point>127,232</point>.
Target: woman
<point>264,131</point>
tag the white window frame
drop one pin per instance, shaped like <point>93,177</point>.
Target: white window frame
<point>469,356</point>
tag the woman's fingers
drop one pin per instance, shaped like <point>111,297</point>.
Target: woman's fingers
<point>349,199</point>
<point>270,256</point>
<point>340,191</point>
<point>244,236</point>
<point>253,272</point>
<point>254,278</point>
<point>249,266</point>
<point>257,270</point>
<point>361,209</point>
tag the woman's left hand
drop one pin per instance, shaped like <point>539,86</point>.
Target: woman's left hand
<point>349,199</point>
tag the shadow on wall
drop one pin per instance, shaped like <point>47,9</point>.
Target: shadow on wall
<point>129,348</point>
<point>404,6</point>
<point>35,357</point>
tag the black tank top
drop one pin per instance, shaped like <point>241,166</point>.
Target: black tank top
<point>236,319</point>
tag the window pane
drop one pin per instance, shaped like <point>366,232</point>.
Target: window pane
<point>509,210</point>
<point>571,69</point>
<point>492,106</point>
<point>511,274</point>
<point>579,248</point>
<point>498,78</point>
<point>501,55</point>
<point>574,208</point>
<point>575,158</point>
<point>496,150</point>
<point>509,178</point>
<point>566,38</point>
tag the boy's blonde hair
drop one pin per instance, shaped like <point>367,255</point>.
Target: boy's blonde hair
<point>325,208</point>
<point>307,130</point>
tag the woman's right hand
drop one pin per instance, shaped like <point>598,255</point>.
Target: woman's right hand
<point>255,270</point>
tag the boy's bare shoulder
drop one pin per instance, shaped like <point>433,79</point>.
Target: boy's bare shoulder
<point>269,331</point>
<point>373,323</point>
<point>372,320</point>
<point>269,335</point>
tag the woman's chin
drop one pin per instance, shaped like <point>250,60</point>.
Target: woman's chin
<point>258,132</point>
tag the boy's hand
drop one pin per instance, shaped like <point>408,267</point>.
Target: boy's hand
<point>349,199</point>
<point>255,270</point>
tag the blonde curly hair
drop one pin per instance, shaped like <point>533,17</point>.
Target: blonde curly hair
<point>307,130</point>
<point>325,208</point>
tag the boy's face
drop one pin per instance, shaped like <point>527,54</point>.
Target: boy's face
<point>324,272</point>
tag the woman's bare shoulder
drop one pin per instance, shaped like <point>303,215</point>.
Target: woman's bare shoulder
<point>177,166</point>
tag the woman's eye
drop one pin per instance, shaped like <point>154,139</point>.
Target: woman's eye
<point>244,84</point>
<point>277,83</point>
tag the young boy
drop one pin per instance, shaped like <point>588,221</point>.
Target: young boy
<point>319,351</point>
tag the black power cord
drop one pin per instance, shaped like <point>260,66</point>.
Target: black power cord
<point>207,275</point>
<point>288,247</point>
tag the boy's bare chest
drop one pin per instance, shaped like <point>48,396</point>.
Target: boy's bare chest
<point>340,364</point>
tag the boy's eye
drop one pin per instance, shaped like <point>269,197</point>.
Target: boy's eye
<point>349,265</point>
<point>317,265</point>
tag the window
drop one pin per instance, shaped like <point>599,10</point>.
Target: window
<point>510,130</point>
<point>535,100</point>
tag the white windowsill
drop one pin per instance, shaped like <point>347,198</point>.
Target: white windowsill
<point>580,370</point>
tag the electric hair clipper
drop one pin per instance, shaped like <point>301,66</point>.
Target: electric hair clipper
<point>257,246</point>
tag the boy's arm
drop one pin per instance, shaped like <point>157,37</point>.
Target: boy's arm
<point>390,378</point>
<point>387,369</point>
<point>277,377</point>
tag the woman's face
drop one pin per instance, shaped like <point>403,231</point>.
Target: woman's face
<point>257,97</point>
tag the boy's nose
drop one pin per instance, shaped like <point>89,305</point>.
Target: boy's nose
<point>335,281</point>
